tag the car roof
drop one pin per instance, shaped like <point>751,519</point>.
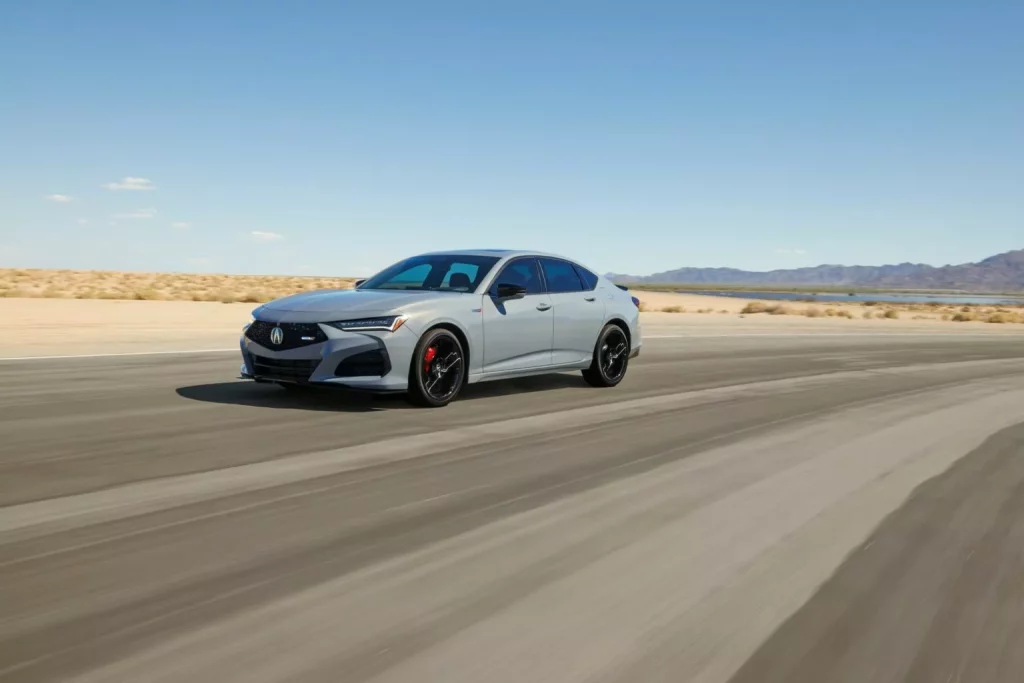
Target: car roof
<point>500,253</point>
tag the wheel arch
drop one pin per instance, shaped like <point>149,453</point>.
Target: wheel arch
<point>463,338</point>
<point>619,322</point>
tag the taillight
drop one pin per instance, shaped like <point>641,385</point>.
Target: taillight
<point>636,302</point>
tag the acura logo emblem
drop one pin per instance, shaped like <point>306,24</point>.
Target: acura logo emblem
<point>277,336</point>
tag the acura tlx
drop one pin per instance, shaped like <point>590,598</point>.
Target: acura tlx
<point>433,323</point>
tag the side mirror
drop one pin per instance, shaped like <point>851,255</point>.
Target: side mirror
<point>358,282</point>
<point>506,291</point>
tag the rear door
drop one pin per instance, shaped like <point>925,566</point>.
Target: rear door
<point>518,332</point>
<point>579,313</point>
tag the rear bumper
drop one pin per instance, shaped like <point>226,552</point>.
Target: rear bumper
<point>370,361</point>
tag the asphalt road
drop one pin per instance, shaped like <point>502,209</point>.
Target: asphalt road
<point>753,509</point>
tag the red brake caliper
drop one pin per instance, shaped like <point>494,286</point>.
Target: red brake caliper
<point>427,357</point>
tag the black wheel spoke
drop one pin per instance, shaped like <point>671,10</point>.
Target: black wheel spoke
<point>613,355</point>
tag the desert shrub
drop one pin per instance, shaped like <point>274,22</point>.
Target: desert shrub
<point>1002,318</point>
<point>813,313</point>
<point>844,314</point>
<point>673,309</point>
<point>891,314</point>
<point>53,292</point>
<point>147,294</point>
<point>755,307</point>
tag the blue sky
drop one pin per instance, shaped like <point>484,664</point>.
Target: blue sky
<point>337,137</point>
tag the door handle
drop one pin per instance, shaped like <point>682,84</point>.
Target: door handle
<point>543,307</point>
<point>588,298</point>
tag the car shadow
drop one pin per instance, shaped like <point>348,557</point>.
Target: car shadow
<point>246,393</point>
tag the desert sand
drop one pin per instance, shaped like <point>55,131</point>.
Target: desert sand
<point>52,327</point>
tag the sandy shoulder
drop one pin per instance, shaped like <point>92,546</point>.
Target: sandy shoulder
<point>49,327</point>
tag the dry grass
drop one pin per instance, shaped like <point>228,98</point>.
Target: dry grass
<point>94,284</point>
<point>874,311</point>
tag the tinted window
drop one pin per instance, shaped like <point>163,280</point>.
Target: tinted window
<point>412,277</point>
<point>436,272</point>
<point>461,277</point>
<point>589,279</point>
<point>561,276</point>
<point>524,273</point>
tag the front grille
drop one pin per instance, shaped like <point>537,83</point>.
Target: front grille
<point>282,369</point>
<point>373,363</point>
<point>296,335</point>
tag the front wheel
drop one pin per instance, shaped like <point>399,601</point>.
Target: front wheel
<point>438,369</point>
<point>611,358</point>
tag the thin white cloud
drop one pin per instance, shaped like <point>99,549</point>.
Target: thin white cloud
<point>796,252</point>
<point>57,198</point>
<point>181,225</point>
<point>263,236</point>
<point>82,221</point>
<point>141,214</point>
<point>130,183</point>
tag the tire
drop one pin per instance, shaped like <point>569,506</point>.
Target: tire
<point>438,369</point>
<point>611,358</point>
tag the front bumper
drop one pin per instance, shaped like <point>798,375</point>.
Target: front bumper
<point>339,361</point>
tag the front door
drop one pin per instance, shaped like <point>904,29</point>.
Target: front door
<point>518,332</point>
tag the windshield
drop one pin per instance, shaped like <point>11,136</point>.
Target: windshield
<point>434,272</point>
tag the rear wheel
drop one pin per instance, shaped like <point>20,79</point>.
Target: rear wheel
<point>611,358</point>
<point>438,369</point>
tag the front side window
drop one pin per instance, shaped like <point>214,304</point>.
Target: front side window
<point>523,272</point>
<point>434,272</point>
<point>561,276</point>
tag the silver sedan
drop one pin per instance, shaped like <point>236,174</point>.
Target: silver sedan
<point>433,323</point>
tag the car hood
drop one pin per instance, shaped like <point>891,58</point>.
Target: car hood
<point>351,302</point>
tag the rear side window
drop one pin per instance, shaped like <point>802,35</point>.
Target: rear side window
<point>525,273</point>
<point>589,279</point>
<point>561,276</point>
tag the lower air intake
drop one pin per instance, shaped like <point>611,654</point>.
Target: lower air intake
<point>283,370</point>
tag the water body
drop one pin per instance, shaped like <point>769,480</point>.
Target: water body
<point>952,299</point>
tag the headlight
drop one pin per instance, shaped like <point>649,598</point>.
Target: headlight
<point>252,318</point>
<point>387,323</point>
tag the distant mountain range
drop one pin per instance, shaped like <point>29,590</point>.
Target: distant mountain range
<point>1001,273</point>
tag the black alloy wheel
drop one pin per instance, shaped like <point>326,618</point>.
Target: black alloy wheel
<point>611,358</point>
<point>438,369</point>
